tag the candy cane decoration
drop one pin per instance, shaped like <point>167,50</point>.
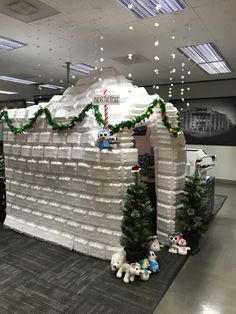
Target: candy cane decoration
<point>106,109</point>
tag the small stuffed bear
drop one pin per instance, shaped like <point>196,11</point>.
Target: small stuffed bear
<point>154,267</point>
<point>131,270</point>
<point>182,248</point>
<point>173,238</point>
<point>117,260</point>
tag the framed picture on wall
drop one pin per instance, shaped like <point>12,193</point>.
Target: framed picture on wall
<point>209,121</point>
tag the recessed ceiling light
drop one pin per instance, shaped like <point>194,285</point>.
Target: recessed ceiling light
<point>207,57</point>
<point>81,67</point>
<point>150,8</point>
<point>51,86</point>
<point>7,92</point>
<point>10,44</point>
<point>215,67</point>
<point>15,80</point>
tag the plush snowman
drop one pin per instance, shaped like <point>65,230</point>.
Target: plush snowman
<point>182,246</point>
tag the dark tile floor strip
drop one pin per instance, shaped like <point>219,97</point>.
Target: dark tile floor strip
<point>37,277</point>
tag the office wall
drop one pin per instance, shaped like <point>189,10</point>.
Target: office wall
<point>225,168</point>
<point>226,155</point>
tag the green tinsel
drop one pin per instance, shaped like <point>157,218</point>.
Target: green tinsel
<point>99,118</point>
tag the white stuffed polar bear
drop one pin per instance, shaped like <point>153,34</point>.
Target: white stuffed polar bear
<point>130,271</point>
<point>117,260</point>
<point>155,246</point>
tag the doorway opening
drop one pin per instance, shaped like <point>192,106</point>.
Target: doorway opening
<point>146,161</point>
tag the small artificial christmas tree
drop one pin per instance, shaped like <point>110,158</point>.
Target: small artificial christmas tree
<point>192,216</point>
<point>136,224</point>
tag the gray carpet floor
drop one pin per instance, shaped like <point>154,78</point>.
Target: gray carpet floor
<point>37,277</point>
<point>218,203</point>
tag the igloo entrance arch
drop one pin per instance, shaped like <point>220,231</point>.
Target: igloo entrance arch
<point>63,189</point>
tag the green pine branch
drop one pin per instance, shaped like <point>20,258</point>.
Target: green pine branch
<point>99,118</point>
<point>136,224</point>
<point>193,214</point>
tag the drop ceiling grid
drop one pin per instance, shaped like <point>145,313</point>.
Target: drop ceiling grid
<point>76,26</point>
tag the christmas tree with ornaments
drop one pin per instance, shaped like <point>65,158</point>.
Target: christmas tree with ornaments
<point>139,258</point>
<point>136,225</point>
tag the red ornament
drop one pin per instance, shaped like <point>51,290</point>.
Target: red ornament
<point>136,168</point>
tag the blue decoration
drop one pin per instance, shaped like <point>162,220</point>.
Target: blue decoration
<point>103,139</point>
<point>154,266</point>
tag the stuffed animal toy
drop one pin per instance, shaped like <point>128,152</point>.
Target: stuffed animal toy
<point>145,274</point>
<point>113,141</point>
<point>182,248</point>
<point>173,239</point>
<point>155,246</point>
<point>130,270</point>
<point>144,263</point>
<point>103,139</point>
<point>154,267</point>
<point>117,260</point>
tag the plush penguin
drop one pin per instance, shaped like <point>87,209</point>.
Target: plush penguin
<point>154,267</point>
<point>103,139</point>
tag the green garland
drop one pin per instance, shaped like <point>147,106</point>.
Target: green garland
<point>99,118</point>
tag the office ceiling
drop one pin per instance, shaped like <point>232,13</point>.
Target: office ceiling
<point>70,31</point>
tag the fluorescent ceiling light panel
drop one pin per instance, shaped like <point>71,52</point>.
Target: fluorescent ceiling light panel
<point>81,67</point>
<point>15,80</point>
<point>215,67</point>
<point>7,92</point>
<point>202,53</point>
<point>207,57</point>
<point>51,86</point>
<point>149,8</point>
<point>10,44</point>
